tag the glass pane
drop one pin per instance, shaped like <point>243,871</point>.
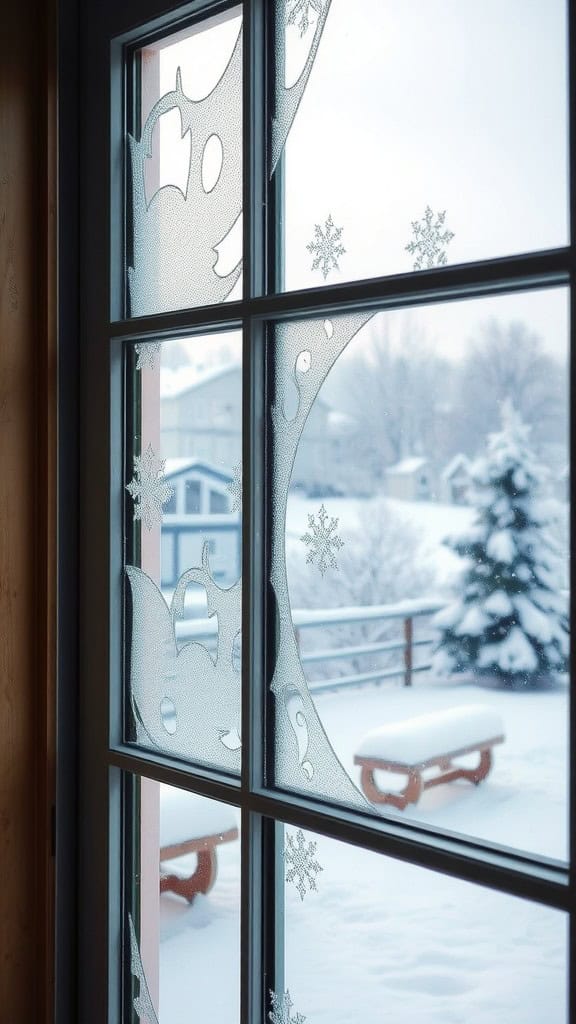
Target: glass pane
<point>186,169</point>
<point>183,507</point>
<point>370,938</point>
<point>429,133</point>
<point>420,563</point>
<point>184,919</point>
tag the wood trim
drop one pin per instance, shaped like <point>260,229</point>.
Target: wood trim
<point>27,506</point>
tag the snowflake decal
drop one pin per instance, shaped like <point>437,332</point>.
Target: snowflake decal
<point>323,542</point>
<point>281,1012</point>
<point>303,867</point>
<point>429,241</point>
<point>148,489</point>
<point>326,247</point>
<point>298,12</point>
<point>235,489</point>
<point>147,355</point>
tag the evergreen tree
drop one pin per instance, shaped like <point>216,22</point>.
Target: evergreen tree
<point>510,620</point>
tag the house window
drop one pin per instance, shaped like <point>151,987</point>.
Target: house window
<point>288,835</point>
<point>218,502</point>
<point>192,497</point>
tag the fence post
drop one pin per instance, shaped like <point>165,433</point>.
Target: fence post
<point>408,635</point>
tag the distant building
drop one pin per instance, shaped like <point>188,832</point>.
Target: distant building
<point>199,511</point>
<point>201,418</point>
<point>456,481</point>
<point>410,479</point>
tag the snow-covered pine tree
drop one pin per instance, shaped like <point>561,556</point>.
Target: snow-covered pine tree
<point>510,619</point>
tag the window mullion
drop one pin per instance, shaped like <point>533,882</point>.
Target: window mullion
<point>255,904</point>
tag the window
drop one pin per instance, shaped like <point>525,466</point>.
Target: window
<point>192,493</point>
<point>281,819</point>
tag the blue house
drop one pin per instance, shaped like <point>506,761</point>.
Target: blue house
<point>199,511</point>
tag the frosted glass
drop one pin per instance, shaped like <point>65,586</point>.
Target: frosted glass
<point>184,514</point>
<point>420,561</point>
<point>428,134</point>
<point>184,922</point>
<point>376,939</point>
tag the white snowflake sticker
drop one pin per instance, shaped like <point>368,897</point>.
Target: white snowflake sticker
<point>235,489</point>
<point>301,862</point>
<point>322,540</point>
<point>428,244</point>
<point>147,354</point>
<point>298,12</point>
<point>148,489</point>
<point>326,247</point>
<point>281,1012</point>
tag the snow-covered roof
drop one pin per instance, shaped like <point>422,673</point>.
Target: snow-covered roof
<point>407,466</point>
<point>176,466</point>
<point>188,378</point>
<point>459,461</point>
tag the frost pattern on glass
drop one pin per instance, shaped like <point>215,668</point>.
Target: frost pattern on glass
<point>304,758</point>
<point>281,1012</point>
<point>234,488</point>
<point>182,272</point>
<point>147,355</point>
<point>288,99</point>
<point>176,235</point>
<point>203,688</point>
<point>322,540</point>
<point>143,1001</point>
<point>148,489</point>
<point>302,866</point>
<point>326,247</point>
<point>298,13</point>
<point>429,242</point>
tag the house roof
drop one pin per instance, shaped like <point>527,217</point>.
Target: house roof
<point>459,461</point>
<point>180,466</point>
<point>174,383</point>
<point>407,466</point>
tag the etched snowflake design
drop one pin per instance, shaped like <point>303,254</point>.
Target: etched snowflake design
<point>281,1012</point>
<point>148,489</point>
<point>326,246</point>
<point>303,868</point>
<point>298,12</point>
<point>235,489</point>
<point>147,355</point>
<point>323,542</point>
<point>429,241</point>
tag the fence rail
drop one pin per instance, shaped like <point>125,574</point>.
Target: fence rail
<point>205,630</point>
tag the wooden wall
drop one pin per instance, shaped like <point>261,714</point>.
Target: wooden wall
<point>27,508</point>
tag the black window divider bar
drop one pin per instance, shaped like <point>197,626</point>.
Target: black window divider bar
<point>551,269</point>
<point>459,856</point>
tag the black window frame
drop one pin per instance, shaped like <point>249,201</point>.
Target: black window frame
<point>108,34</point>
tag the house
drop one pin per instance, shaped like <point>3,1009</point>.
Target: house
<point>410,479</point>
<point>202,419</point>
<point>200,511</point>
<point>456,481</point>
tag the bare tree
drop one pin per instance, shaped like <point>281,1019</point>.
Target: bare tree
<point>396,393</point>
<point>507,361</point>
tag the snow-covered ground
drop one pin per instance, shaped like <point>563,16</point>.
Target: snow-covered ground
<point>384,941</point>
<point>381,940</point>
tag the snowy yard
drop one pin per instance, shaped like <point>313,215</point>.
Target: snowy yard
<point>384,941</point>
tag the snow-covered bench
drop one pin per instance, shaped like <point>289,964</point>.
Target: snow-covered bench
<point>428,741</point>
<point>192,824</point>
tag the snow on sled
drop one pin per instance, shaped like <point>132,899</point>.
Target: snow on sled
<point>190,823</point>
<point>428,741</point>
